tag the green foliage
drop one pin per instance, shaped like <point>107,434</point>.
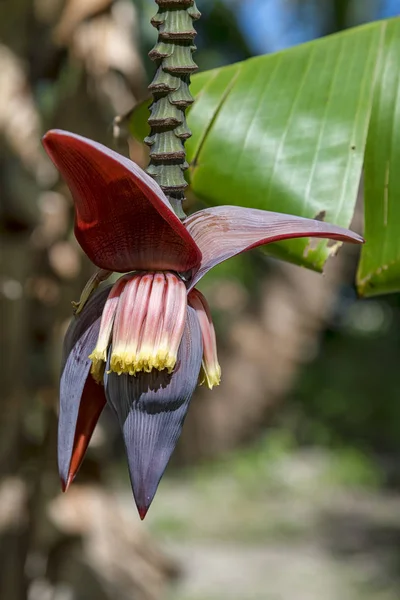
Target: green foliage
<point>349,395</point>
<point>288,132</point>
<point>379,269</point>
<point>352,468</point>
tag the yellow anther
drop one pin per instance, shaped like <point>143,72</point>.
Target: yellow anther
<point>98,365</point>
<point>208,377</point>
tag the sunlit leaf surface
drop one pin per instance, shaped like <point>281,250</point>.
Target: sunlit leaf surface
<point>379,269</point>
<point>287,132</point>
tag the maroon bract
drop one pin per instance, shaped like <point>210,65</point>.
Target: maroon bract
<point>143,344</point>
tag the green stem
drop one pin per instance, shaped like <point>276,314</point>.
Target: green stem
<point>171,97</point>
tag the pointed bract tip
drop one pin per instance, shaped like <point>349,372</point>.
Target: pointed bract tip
<point>142,510</point>
<point>54,135</point>
<point>145,491</point>
<point>64,484</point>
<point>354,238</point>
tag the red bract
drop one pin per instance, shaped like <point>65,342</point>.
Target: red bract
<point>122,221</point>
<point>140,345</point>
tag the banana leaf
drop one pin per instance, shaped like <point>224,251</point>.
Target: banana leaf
<point>296,131</point>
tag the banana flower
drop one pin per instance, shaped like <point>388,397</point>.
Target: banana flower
<point>143,344</point>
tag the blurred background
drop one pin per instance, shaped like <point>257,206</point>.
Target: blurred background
<point>286,482</point>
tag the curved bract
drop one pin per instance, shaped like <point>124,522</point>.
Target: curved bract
<point>225,231</point>
<point>81,403</point>
<point>151,410</point>
<point>120,210</point>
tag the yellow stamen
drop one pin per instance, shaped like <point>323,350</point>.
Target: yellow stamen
<point>99,354</point>
<point>149,325</point>
<point>208,377</point>
<point>98,365</point>
<point>210,370</point>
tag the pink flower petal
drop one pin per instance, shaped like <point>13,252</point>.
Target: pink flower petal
<point>211,370</point>
<point>149,323</point>
<point>99,354</point>
<point>224,231</point>
<point>123,220</point>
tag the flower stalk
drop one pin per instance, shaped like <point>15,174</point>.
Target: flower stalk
<point>171,97</point>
